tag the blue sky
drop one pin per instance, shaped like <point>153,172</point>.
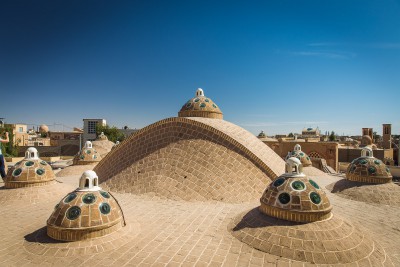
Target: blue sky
<point>276,66</point>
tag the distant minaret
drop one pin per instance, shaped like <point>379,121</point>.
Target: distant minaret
<point>387,135</point>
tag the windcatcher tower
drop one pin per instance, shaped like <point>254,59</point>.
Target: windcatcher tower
<point>387,134</point>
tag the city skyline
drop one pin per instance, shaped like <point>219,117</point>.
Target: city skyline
<point>276,66</point>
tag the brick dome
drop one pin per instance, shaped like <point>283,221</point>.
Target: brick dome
<point>31,171</point>
<point>200,106</point>
<point>43,128</point>
<point>294,197</point>
<point>368,169</point>
<point>302,156</point>
<point>85,213</point>
<point>87,155</point>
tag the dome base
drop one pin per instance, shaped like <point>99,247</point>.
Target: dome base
<point>64,234</point>
<point>12,185</point>
<point>332,241</point>
<point>296,216</point>
<point>368,179</point>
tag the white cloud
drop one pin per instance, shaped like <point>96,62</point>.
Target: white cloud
<point>333,55</point>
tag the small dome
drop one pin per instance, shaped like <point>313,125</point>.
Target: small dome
<point>294,197</point>
<point>43,128</point>
<point>85,213</point>
<point>102,137</point>
<point>31,171</point>
<point>368,169</point>
<point>366,140</point>
<point>200,106</point>
<point>87,155</point>
<point>262,134</point>
<point>302,156</point>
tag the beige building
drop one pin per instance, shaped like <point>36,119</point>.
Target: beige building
<point>20,133</point>
<point>319,152</point>
<point>89,129</point>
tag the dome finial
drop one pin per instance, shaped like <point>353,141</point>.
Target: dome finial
<point>31,153</point>
<point>366,152</point>
<point>88,144</point>
<point>89,181</point>
<point>199,92</point>
<point>294,167</point>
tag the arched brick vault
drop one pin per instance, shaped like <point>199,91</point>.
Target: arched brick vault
<point>191,159</point>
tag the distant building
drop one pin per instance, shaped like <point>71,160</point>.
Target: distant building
<point>310,132</point>
<point>20,133</point>
<point>89,129</point>
<point>127,132</point>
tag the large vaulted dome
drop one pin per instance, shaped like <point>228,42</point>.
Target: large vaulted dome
<point>191,158</point>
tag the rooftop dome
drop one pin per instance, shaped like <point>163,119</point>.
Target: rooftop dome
<point>87,155</point>
<point>262,134</point>
<point>43,128</point>
<point>31,171</point>
<point>368,169</point>
<point>200,106</point>
<point>294,197</point>
<point>303,157</point>
<point>102,136</point>
<point>366,140</point>
<point>85,213</point>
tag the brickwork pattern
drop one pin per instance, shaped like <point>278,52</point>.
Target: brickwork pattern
<point>186,158</point>
<point>75,170</point>
<point>382,194</point>
<point>162,232</point>
<point>200,106</point>
<point>28,173</point>
<point>83,215</point>
<point>87,156</point>
<point>368,170</point>
<point>331,241</point>
<point>296,199</point>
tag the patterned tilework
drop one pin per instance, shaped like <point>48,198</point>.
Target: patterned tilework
<point>295,199</point>
<point>378,194</point>
<point>303,157</point>
<point>83,215</point>
<point>87,156</point>
<point>368,170</point>
<point>200,106</point>
<point>29,172</point>
<point>183,158</point>
<point>331,241</point>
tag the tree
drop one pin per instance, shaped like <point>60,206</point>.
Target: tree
<point>112,133</point>
<point>290,135</point>
<point>9,149</point>
<point>332,136</point>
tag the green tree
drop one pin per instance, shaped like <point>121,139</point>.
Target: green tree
<point>112,133</point>
<point>332,136</point>
<point>8,149</point>
<point>290,135</point>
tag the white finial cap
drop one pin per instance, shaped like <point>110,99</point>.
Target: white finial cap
<point>297,147</point>
<point>31,153</point>
<point>89,181</point>
<point>367,152</point>
<point>88,144</point>
<point>199,92</point>
<point>294,167</point>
